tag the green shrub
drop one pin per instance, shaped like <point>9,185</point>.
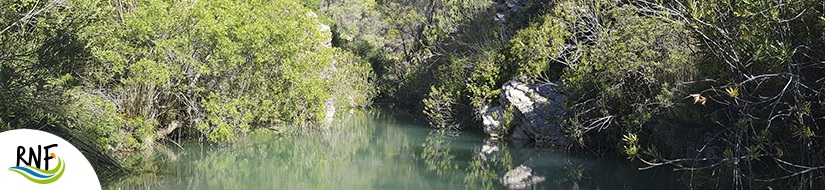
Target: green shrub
<point>97,119</point>
<point>438,106</point>
<point>225,66</point>
<point>117,72</point>
<point>40,55</point>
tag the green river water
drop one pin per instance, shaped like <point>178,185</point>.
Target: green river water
<point>372,150</point>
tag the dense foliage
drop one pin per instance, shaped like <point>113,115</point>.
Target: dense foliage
<point>753,71</point>
<point>135,71</point>
<point>728,87</point>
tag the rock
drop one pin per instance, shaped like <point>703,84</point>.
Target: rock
<point>521,178</point>
<point>311,14</point>
<point>537,108</point>
<point>519,133</point>
<point>517,8</point>
<point>500,17</point>
<point>520,143</point>
<point>323,27</point>
<point>492,120</point>
<point>325,30</point>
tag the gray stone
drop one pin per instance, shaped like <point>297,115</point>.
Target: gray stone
<point>492,120</point>
<point>500,17</point>
<point>517,8</point>
<point>521,178</point>
<point>537,108</point>
<point>519,133</point>
<point>325,30</point>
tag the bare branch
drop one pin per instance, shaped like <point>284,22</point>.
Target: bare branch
<point>29,15</point>
<point>806,169</point>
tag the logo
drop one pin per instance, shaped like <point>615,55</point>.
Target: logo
<point>36,173</point>
<point>40,160</point>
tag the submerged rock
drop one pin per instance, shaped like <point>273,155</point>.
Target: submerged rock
<point>521,178</point>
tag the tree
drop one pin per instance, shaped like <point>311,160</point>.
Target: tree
<point>127,73</point>
<point>224,66</point>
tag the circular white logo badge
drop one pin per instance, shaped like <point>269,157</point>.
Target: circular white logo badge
<point>32,159</point>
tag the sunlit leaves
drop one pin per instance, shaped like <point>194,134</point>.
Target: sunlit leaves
<point>533,49</point>
<point>733,93</point>
<point>631,147</point>
<point>805,108</point>
<point>232,64</point>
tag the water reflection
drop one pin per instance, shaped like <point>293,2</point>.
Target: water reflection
<point>364,151</point>
<point>492,156</point>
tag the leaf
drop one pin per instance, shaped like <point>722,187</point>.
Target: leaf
<point>698,98</point>
<point>732,92</point>
<point>630,138</point>
<point>753,152</point>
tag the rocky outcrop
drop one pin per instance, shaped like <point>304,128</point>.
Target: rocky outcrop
<point>537,107</point>
<point>536,110</point>
<point>521,178</point>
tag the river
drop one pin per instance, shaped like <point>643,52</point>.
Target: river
<point>379,150</point>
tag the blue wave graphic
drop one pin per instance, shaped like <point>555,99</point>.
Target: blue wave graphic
<point>41,176</point>
<point>31,172</point>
